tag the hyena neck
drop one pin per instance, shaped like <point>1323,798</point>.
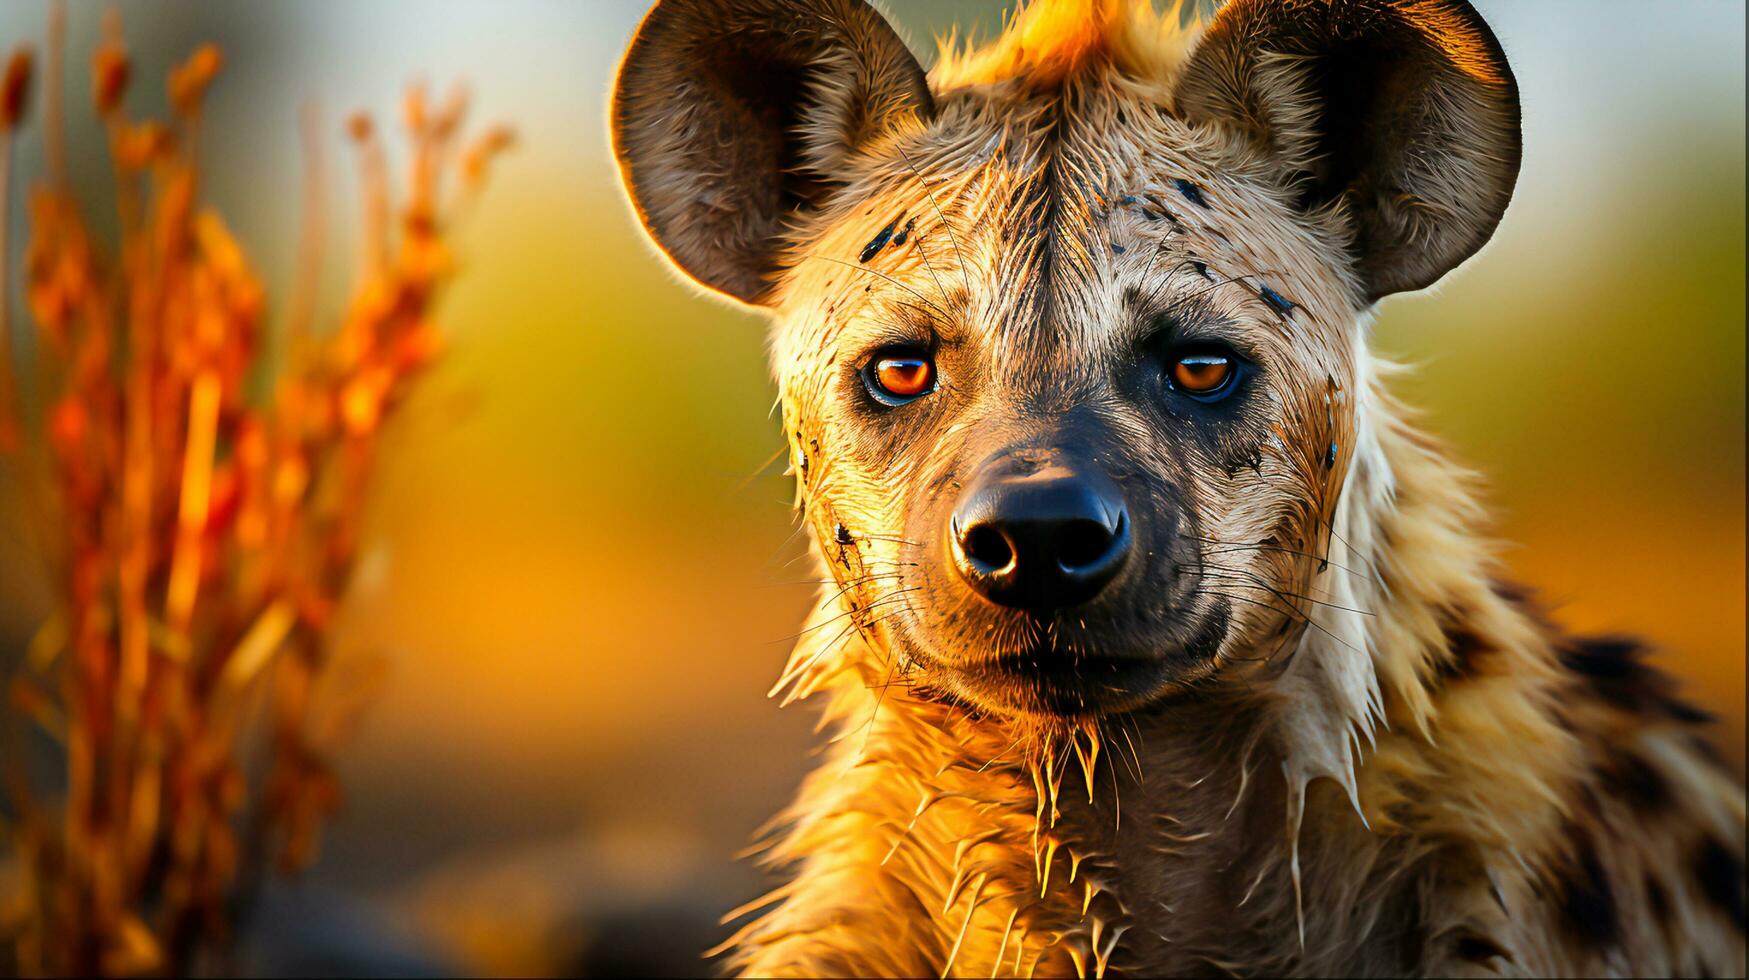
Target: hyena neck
<point>1414,600</point>
<point>1202,833</point>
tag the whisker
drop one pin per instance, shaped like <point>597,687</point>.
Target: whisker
<point>848,265</point>
<point>1164,247</point>
<point>1236,546</point>
<point>888,537</point>
<point>747,480</point>
<point>1123,728</point>
<point>794,674</point>
<point>895,594</point>
<point>1289,613</point>
<point>880,699</point>
<point>998,757</point>
<point>1252,574</point>
<point>853,583</point>
<point>958,255</point>
<point>1252,580</point>
<point>1372,566</point>
<point>1303,617</point>
<point>1181,263</point>
<point>924,254</point>
<point>1241,277</point>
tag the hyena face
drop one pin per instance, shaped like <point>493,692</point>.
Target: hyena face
<point>1069,332</point>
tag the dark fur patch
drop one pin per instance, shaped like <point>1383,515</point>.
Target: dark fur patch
<point>1477,948</point>
<point>1516,594</point>
<point>878,242</point>
<point>1658,899</point>
<point>1616,671</point>
<point>1588,906</point>
<point>1720,874</point>
<point>1277,301</point>
<point>1629,777</point>
<point>1207,641</point>
<point>1708,752</point>
<point>1191,192</point>
<point>1465,648</point>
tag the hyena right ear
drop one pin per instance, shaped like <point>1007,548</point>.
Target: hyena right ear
<point>730,117</point>
<point>1402,112</point>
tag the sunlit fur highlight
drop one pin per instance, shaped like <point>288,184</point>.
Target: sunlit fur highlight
<point>1046,41</point>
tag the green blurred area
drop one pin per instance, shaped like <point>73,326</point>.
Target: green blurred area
<point>583,569</point>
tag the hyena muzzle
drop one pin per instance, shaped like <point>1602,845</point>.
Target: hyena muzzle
<point>1071,337</point>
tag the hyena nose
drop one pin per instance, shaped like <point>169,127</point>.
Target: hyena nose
<point>1039,537</point>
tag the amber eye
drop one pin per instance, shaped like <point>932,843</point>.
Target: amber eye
<point>898,376</point>
<point>1203,374</point>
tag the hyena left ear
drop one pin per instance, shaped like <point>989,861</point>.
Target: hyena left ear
<point>1403,109</point>
<point>730,118</point>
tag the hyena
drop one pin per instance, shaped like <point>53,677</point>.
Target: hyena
<point>1158,639</point>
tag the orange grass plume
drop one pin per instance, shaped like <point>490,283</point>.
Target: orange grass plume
<point>196,539</point>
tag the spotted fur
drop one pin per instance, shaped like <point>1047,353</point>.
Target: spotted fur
<point>1361,753</point>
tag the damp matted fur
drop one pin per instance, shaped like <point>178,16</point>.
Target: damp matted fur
<point>1366,755</point>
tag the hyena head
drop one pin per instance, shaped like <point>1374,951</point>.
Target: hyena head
<point>1069,330</point>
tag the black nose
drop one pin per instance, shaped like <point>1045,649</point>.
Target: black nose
<point>1039,533</point>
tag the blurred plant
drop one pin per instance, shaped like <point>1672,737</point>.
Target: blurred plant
<point>197,539</point>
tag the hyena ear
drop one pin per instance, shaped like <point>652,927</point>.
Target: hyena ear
<point>729,118</point>
<point>1403,109</point>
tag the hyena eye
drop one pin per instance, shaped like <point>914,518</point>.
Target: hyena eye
<point>896,375</point>
<point>1204,372</point>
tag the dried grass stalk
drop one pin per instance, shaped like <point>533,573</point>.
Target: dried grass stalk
<point>198,540</point>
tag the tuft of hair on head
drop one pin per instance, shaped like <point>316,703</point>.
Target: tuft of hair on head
<point>1046,42</point>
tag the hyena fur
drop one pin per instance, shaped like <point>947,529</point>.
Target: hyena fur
<point>1128,673</point>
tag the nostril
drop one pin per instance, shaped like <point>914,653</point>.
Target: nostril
<point>987,546</point>
<point>1038,533</point>
<point>1083,543</point>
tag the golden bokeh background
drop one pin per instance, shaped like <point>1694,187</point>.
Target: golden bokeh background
<point>582,567</point>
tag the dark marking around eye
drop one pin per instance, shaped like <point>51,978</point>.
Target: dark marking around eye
<point>1191,192</point>
<point>1279,303</point>
<point>878,242</point>
<point>905,232</point>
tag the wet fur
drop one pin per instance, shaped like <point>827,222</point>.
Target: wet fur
<point>1390,764</point>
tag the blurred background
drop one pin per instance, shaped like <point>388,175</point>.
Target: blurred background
<point>582,567</point>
